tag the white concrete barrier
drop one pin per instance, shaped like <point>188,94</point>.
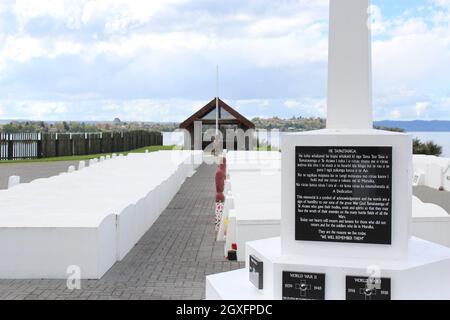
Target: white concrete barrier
<point>89,218</point>
<point>254,210</point>
<point>431,222</point>
<point>431,171</point>
<point>42,252</point>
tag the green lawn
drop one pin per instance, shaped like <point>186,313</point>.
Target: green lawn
<point>269,148</point>
<point>89,156</point>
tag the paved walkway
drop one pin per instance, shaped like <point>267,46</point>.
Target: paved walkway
<point>441,198</point>
<point>32,170</point>
<point>169,262</point>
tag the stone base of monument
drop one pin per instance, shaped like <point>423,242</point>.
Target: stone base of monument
<point>423,274</point>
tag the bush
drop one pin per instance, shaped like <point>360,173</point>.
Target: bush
<point>429,148</point>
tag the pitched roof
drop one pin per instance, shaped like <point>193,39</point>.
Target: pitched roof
<point>211,106</point>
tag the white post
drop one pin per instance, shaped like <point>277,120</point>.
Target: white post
<point>349,70</point>
<point>198,135</point>
<point>13,181</point>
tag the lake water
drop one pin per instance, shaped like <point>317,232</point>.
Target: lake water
<point>441,138</point>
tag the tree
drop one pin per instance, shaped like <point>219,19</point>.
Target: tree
<point>10,128</point>
<point>389,129</point>
<point>66,126</point>
<point>427,148</point>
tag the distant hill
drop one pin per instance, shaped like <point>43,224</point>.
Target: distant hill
<point>416,125</point>
<point>284,125</point>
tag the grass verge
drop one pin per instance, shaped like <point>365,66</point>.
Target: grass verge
<point>89,156</point>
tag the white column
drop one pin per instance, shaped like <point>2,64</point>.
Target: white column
<point>198,135</point>
<point>349,70</point>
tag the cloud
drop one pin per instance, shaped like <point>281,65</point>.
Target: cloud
<point>395,114</point>
<point>118,16</point>
<point>291,104</point>
<point>377,24</point>
<point>97,110</point>
<point>64,10</point>
<point>443,3</point>
<point>421,107</point>
<point>21,49</point>
<point>42,109</point>
<point>147,57</point>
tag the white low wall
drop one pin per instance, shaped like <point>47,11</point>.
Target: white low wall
<point>46,253</point>
<point>431,171</point>
<point>89,218</point>
<point>431,222</point>
<point>253,200</point>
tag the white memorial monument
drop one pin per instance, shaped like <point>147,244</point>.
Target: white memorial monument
<point>346,199</point>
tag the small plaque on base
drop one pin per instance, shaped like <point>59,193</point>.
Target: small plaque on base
<point>256,269</point>
<point>364,288</point>
<point>303,286</point>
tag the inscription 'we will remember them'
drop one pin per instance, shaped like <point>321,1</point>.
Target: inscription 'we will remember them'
<point>343,194</point>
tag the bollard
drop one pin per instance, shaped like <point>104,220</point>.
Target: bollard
<point>102,158</point>
<point>108,157</point>
<point>223,165</point>
<point>13,181</point>
<point>220,185</point>
<point>114,156</point>
<point>220,198</point>
<point>81,165</point>
<point>224,161</point>
<point>71,169</point>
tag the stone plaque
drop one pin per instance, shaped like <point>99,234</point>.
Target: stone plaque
<point>303,286</point>
<point>256,269</point>
<point>365,288</point>
<point>343,194</point>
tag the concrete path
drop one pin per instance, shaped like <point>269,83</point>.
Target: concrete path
<point>428,195</point>
<point>169,262</point>
<point>32,170</point>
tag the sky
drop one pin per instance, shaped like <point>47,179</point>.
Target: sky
<point>156,60</point>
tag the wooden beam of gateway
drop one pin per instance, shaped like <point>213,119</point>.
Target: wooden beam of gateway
<point>240,119</point>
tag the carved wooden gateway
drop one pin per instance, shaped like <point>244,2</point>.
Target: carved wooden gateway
<point>204,121</point>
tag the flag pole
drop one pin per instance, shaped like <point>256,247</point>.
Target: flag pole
<point>217,101</point>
